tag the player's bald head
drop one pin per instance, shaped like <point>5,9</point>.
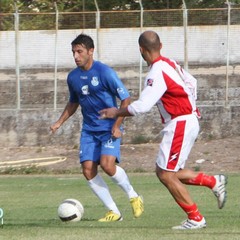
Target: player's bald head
<point>150,41</point>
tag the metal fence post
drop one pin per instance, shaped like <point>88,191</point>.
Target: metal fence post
<point>16,28</point>
<point>97,27</point>
<point>56,57</point>
<point>141,60</point>
<point>185,25</point>
<point>227,60</point>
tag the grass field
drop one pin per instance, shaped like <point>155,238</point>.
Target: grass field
<point>30,210</point>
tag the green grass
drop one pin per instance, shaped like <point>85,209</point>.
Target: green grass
<point>30,210</point>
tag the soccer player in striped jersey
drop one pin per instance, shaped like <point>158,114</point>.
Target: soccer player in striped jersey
<point>93,86</point>
<point>173,90</point>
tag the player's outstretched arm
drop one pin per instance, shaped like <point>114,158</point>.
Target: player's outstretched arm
<point>69,110</point>
<point>113,113</point>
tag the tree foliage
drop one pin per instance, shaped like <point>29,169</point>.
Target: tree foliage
<point>84,13</point>
<point>8,6</point>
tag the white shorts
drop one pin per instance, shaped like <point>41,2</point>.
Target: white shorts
<point>179,136</point>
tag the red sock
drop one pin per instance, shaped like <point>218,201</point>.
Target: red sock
<point>192,211</point>
<point>203,180</point>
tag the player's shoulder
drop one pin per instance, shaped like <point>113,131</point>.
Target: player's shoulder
<point>104,70</point>
<point>171,62</point>
<point>73,72</point>
<point>164,65</point>
<point>101,66</point>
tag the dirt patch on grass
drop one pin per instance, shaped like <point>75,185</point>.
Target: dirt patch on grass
<point>215,156</point>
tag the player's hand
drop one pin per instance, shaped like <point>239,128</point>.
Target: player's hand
<point>116,132</point>
<point>54,127</point>
<point>108,113</point>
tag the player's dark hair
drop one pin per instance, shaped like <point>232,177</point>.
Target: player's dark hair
<point>150,41</point>
<point>85,40</point>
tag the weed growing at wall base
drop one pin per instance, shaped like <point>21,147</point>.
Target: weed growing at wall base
<point>30,210</point>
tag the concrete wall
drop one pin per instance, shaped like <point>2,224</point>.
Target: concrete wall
<point>30,125</point>
<point>37,49</point>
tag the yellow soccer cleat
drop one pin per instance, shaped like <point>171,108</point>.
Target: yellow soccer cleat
<point>111,217</point>
<point>137,206</point>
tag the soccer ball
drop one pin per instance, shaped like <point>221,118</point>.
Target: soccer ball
<point>70,210</point>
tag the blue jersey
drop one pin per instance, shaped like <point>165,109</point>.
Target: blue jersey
<point>94,90</point>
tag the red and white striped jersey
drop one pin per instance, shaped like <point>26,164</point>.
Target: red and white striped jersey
<point>166,87</point>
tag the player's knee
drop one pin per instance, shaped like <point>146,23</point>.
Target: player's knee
<point>163,176</point>
<point>109,169</point>
<point>89,173</point>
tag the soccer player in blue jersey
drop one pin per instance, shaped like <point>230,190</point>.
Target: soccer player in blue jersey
<point>94,86</point>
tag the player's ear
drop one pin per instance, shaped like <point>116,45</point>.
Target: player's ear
<point>141,50</point>
<point>90,51</point>
<point>160,45</point>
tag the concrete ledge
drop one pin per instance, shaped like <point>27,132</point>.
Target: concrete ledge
<point>31,127</point>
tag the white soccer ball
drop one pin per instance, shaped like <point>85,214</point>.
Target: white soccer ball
<point>70,210</point>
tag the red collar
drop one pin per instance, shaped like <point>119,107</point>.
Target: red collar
<point>157,59</point>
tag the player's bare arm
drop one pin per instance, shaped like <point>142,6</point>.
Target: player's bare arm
<point>124,104</point>
<point>69,110</point>
<point>116,132</point>
<point>114,112</point>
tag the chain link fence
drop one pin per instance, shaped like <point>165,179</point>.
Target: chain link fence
<point>35,50</point>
